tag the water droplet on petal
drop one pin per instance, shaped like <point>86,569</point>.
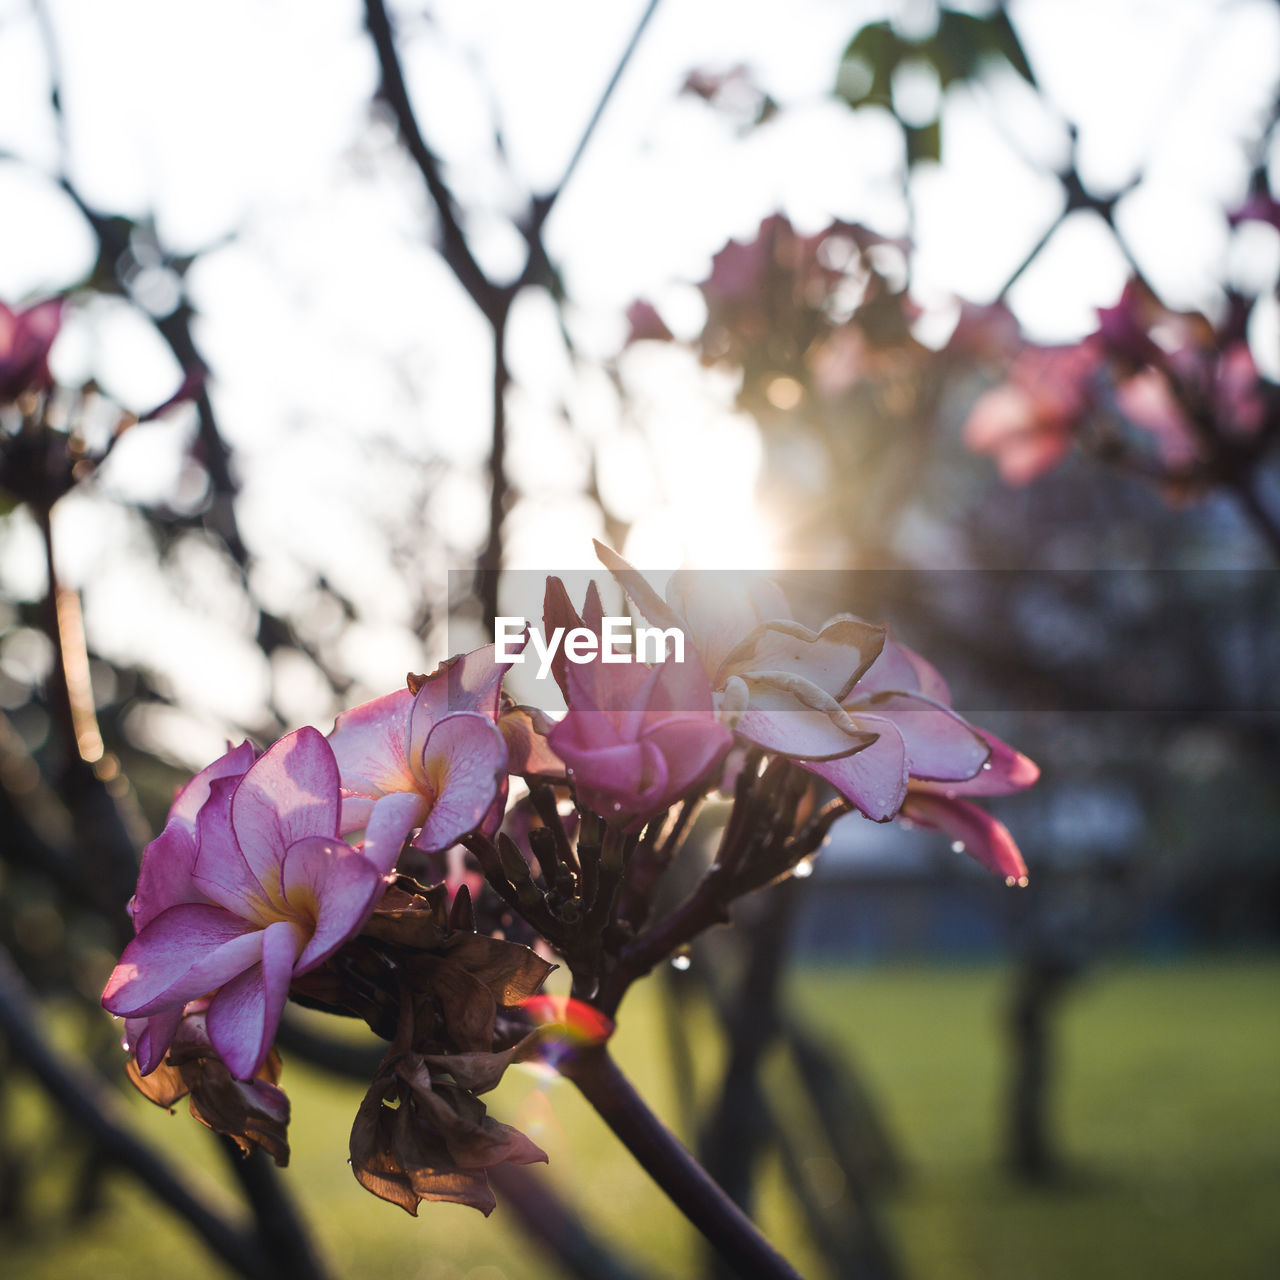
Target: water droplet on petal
<point>617,807</point>
<point>681,961</point>
<point>986,764</point>
<point>803,869</point>
<point>957,846</point>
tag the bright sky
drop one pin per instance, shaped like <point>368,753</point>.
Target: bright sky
<point>347,362</point>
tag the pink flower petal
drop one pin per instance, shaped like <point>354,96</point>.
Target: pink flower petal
<point>690,746</point>
<point>356,812</point>
<point>334,886</point>
<point>464,759</point>
<point>634,583</point>
<point>370,743</point>
<point>244,1015</point>
<point>940,744</point>
<point>557,612</point>
<point>220,871</point>
<point>680,688</point>
<point>802,733</point>
<point>984,838</point>
<point>390,821</point>
<point>832,659</point>
<point>613,768</point>
<point>902,670</point>
<point>149,1038</point>
<point>166,876</point>
<point>1009,771</point>
<point>168,863</point>
<point>874,779</point>
<point>470,682</point>
<point>183,953</point>
<point>528,753</point>
<point>42,322</point>
<point>290,793</point>
<point>189,800</point>
<point>717,614</point>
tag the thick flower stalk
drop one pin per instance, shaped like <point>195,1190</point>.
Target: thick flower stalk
<point>248,886</point>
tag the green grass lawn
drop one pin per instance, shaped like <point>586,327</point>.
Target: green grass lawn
<point>1169,1116</point>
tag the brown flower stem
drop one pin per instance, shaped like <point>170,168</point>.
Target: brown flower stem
<point>727,1229</point>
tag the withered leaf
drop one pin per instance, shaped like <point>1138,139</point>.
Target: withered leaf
<point>466,1005</point>
<point>480,1072</point>
<point>511,972</point>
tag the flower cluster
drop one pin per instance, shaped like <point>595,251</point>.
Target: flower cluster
<point>385,872</point>
<point>1164,392</point>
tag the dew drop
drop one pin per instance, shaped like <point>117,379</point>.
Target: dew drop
<point>617,807</point>
<point>986,764</point>
<point>681,961</point>
<point>957,846</point>
<point>803,869</point>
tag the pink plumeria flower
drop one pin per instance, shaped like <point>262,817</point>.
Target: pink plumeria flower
<point>434,759</point>
<point>774,682</point>
<point>247,886</point>
<point>637,738</point>
<point>25,339</point>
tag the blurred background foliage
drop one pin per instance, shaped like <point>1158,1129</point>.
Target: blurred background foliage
<point>464,285</point>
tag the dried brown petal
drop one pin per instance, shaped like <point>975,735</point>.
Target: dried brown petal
<point>252,1113</point>
<point>415,1139</point>
<point>410,919</point>
<point>164,1086</point>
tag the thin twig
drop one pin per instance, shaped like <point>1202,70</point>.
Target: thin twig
<point>395,93</point>
<point>92,1105</point>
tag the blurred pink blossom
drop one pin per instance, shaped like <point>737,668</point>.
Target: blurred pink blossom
<point>1027,424</point>
<point>25,340</point>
